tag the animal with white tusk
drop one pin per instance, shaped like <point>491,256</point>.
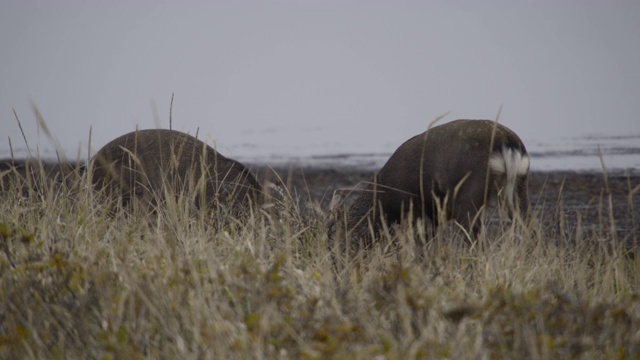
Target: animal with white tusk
<point>451,171</point>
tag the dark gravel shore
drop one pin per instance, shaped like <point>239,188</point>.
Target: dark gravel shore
<point>566,200</point>
<point>589,202</point>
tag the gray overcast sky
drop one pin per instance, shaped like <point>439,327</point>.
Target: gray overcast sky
<point>316,77</point>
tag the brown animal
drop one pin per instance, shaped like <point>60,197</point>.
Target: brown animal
<point>150,164</point>
<point>461,167</point>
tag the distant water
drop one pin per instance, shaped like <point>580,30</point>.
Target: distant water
<point>619,153</point>
<point>586,153</point>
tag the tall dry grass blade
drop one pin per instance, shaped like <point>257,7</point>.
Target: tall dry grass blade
<point>612,221</point>
<point>10,148</point>
<point>423,154</point>
<point>26,143</point>
<point>89,142</point>
<point>490,150</point>
<point>171,113</point>
<point>42,124</point>
<point>560,211</point>
<point>601,213</point>
<point>604,170</point>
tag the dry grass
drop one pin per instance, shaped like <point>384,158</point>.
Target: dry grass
<point>81,282</point>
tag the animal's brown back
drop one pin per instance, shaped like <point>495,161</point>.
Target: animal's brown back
<point>141,163</point>
<point>437,160</point>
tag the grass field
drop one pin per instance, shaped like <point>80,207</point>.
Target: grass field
<point>80,281</point>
